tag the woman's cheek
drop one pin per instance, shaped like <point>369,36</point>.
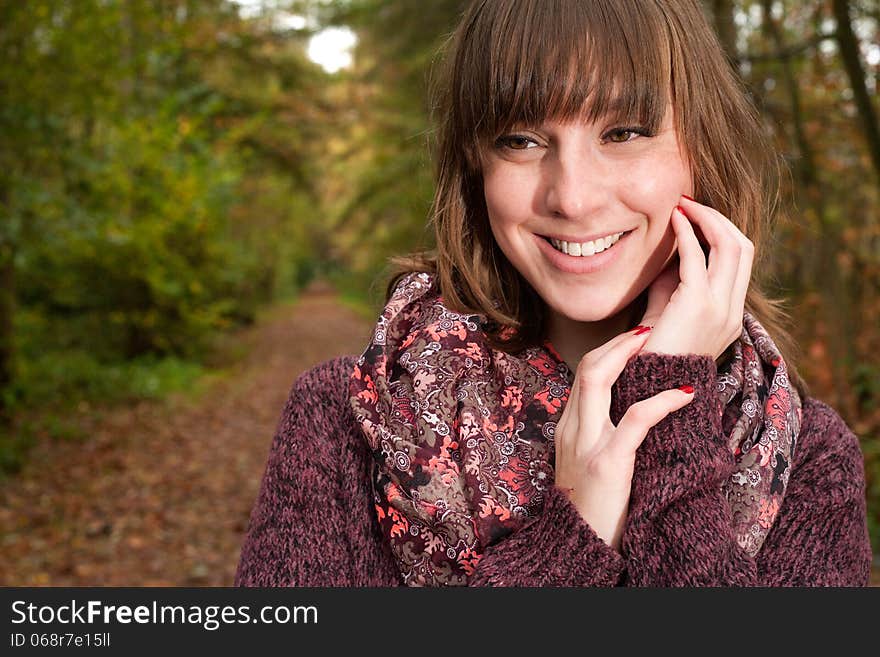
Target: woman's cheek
<point>655,186</point>
<point>507,199</point>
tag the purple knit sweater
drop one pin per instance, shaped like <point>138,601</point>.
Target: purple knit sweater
<point>314,523</point>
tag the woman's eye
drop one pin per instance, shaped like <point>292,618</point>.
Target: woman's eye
<point>515,142</point>
<point>616,136</point>
<point>623,135</point>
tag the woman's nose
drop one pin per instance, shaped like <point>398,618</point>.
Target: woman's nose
<point>577,184</point>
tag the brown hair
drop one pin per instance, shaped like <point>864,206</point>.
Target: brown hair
<point>527,61</point>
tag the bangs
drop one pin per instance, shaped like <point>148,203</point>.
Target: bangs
<point>562,60</point>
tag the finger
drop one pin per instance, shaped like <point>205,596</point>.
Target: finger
<point>740,287</point>
<point>642,416</point>
<point>568,423</point>
<point>692,254</point>
<point>722,219</point>
<point>596,378</point>
<point>724,247</point>
<point>596,354</point>
<point>692,260</point>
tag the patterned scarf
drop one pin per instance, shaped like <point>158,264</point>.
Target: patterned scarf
<point>462,434</point>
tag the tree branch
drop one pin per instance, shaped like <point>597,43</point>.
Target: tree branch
<point>790,50</point>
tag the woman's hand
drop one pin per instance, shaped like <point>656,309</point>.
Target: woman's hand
<point>694,308</point>
<point>594,459</point>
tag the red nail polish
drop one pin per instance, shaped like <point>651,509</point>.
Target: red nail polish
<point>642,329</point>
<point>680,209</point>
<point>687,389</point>
<point>688,198</point>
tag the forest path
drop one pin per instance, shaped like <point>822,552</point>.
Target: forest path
<point>160,493</point>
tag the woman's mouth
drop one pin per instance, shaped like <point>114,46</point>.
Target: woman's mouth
<point>586,249</point>
<point>586,257</point>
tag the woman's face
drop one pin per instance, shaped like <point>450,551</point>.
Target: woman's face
<point>581,181</point>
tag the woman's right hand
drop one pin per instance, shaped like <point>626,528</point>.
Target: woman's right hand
<point>595,459</point>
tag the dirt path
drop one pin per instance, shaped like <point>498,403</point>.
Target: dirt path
<point>160,493</point>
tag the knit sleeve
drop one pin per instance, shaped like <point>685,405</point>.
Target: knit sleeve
<point>311,524</point>
<point>679,530</point>
<point>558,548</point>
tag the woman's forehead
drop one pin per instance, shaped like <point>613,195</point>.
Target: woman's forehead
<point>585,118</point>
<point>648,111</point>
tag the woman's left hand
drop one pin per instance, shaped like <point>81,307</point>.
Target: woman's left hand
<point>695,307</point>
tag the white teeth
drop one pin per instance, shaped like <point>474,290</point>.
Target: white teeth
<point>586,248</point>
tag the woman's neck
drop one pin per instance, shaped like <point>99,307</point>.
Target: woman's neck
<point>573,339</point>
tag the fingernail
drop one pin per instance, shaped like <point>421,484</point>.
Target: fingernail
<point>687,389</point>
<point>688,197</point>
<point>680,209</point>
<point>642,329</point>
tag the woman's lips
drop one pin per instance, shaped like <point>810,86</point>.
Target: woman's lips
<point>582,264</point>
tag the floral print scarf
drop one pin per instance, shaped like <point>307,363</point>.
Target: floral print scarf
<point>462,434</point>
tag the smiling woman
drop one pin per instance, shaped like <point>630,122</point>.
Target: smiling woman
<point>577,182</point>
<point>598,114</point>
<point>584,384</point>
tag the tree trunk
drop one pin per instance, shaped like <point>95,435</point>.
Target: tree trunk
<point>10,47</point>
<point>805,167</point>
<point>849,52</point>
<point>7,308</point>
<point>722,12</point>
<point>806,163</point>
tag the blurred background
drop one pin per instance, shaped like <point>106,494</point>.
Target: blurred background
<point>197,200</point>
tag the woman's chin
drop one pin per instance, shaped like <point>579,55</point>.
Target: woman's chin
<point>587,309</point>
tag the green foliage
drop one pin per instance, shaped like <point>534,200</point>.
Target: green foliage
<point>383,154</point>
<point>155,189</point>
<point>53,373</point>
<point>59,379</point>
<point>13,450</point>
<point>871,450</point>
<point>145,263</point>
<point>77,375</point>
